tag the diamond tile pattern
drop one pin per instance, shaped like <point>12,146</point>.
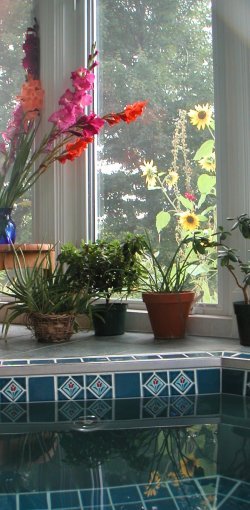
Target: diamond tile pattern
<point>70,388</point>
<point>99,387</point>
<point>13,390</point>
<point>182,383</point>
<point>155,384</point>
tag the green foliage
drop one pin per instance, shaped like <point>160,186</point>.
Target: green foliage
<point>230,258</point>
<point>177,272</point>
<point>41,289</point>
<point>105,266</point>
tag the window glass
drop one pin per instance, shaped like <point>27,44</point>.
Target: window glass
<point>159,172</point>
<point>15,17</point>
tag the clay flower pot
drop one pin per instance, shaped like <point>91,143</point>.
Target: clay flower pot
<point>168,312</point>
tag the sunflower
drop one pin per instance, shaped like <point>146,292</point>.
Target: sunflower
<point>150,172</point>
<point>208,163</point>
<point>189,221</point>
<point>172,179</point>
<point>201,116</point>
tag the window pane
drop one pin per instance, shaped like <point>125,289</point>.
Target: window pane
<point>147,175</point>
<point>15,17</point>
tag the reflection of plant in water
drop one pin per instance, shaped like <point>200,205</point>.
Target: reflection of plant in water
<point>179,453</point>
<point>18,455</point>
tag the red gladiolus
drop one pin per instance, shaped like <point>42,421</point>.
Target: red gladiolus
<point>129,114</point>
<point>74,150</point>
<point>132,111</point>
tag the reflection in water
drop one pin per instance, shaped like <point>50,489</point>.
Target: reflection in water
<point>146,468</point>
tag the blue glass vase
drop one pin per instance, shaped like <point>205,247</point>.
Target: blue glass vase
<point>7,226</point>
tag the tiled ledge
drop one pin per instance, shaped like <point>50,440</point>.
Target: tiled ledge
<point>122,377</point>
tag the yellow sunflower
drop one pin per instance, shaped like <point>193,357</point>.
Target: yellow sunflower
<point>149,170</point>
<point>208,163</point>
<point>172,178</point>
<point>201,116</point>
<point>189,221</point>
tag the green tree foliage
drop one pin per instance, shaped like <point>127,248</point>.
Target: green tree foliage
<point>160,51</point>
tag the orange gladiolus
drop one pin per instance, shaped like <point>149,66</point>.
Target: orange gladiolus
<point>74,150</point>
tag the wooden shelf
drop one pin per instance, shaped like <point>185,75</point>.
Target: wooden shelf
<point>31,252</point>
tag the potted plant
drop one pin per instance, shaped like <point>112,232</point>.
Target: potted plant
<point>45,295</point>
<point>168,283</point>
<point>109,268</point>
<point>240,271</point>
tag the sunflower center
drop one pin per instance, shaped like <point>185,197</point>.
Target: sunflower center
<point>202,114</point>
<point>190,219</point>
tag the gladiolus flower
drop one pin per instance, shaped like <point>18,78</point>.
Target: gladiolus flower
<point>74,150</point>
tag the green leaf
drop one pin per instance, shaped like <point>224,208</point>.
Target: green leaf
<point>184,201</point>
<point>202,217</point>
<point>206,183</point>
<point>205,150</point>
<point>162,220</point>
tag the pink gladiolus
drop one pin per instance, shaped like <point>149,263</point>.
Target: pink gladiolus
<point>64,118</point>
<point>82,79</point>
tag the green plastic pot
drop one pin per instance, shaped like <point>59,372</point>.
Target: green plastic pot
<point>109,320</point>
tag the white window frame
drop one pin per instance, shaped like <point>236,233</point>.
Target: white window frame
<point>64,198</point>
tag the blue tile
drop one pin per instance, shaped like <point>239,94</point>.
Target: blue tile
<point>160,504</point>
<point>13,389</point>
<point>99,386</point>
<point>155,383</point>
<point>33,501</point>
<point>68,360</point>
<point>127,385</point>
<point>242,491</point>
<point>232,381</point>
<point>94,359</point>
<point>227,354</point>
<point>208,380</point>
<point>128,409</point>
<point>198,354</point>
<point>42,361</point>
<point>15,362</point>
<point>128,494</point>
<point>234,504</point>
<point>41,389</point>
<point>243,355</point>
<point>121,358</point>
<point>94,497</point>
<point>161,493</point>
<point>146,356</point>
<point>225,485</point>
<point>187,488</point>
<point>174,373</point>
<point>8,502</point>
<point>70,387</point>
<point>170,356</point>
<point>43,412</point>
<point>63,500</point>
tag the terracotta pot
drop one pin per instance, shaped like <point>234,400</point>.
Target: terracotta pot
<point>168,312</point>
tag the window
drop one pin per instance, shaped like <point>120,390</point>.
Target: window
<point>147,175</point>
<point>65,201</point>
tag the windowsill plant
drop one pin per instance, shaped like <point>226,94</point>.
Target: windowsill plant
<point>110,269</point>
<point>168,282</point>
<point>240,271</point>
<point>46,297</point>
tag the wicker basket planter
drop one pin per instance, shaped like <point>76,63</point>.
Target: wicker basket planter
<point>51,328</point>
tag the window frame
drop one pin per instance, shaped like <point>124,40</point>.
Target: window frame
<point>64,198</point>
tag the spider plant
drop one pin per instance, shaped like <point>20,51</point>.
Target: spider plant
<point>41,289</point>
